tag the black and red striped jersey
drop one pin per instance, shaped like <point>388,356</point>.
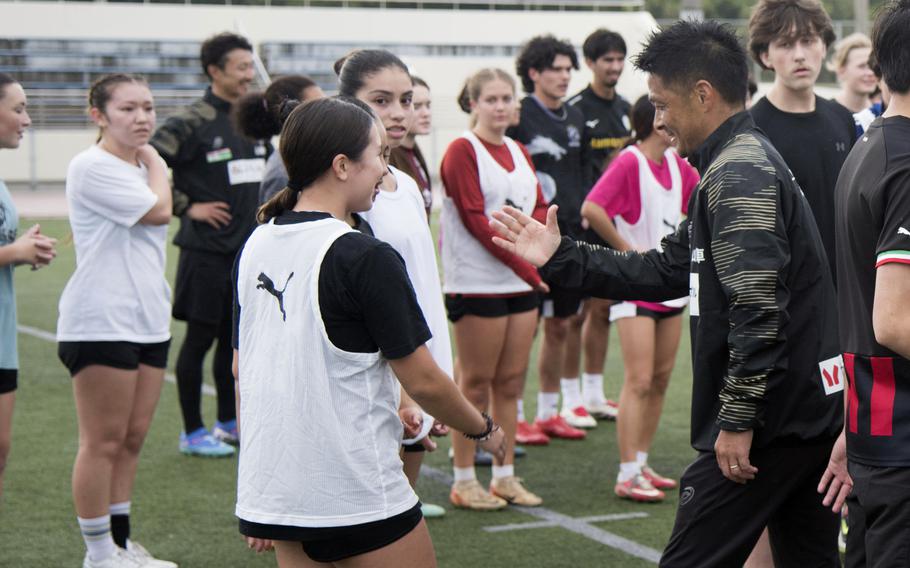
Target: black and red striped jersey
<point>873,228</point>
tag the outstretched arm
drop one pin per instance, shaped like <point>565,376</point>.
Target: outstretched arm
<point>593,269</point>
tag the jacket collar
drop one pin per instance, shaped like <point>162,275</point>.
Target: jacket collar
<point>216,101</point>
<point>715,142</point>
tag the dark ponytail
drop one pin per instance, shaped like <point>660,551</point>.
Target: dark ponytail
<point>315,133</point>
<point>257,115</point>
<point>354,68</point>
<point>642,120</point>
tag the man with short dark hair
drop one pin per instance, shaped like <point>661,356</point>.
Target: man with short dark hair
<point>607,127</point>
<point>553,133</point>
<point>873,244</point>
<point>216,186</point>
<point>812,133</point>
<point>765,410</point>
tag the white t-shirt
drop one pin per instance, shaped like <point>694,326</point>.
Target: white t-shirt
<point>118,291</point>
<point>400,219</point>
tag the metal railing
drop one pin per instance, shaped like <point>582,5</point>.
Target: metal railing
<point>66,108</point>
<point>542,5</point>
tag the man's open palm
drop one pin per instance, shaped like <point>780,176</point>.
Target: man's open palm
<point>523,236</point>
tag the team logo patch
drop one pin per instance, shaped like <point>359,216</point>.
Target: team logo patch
<point>686,496</point>
<point>265,283</point>
<point>833,374</point>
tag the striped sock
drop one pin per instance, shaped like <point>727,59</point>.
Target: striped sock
<point>96,533</point>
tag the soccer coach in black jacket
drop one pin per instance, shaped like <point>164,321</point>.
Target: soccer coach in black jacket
<point>767,400</point>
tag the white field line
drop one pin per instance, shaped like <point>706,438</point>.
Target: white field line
<point>579,526</point>
<point>48,336</point>
<point>548,517</point>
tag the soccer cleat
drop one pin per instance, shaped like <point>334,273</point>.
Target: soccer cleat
<point>578,417</point>
<point>470,495</point>
<point>145,558</point>
<point>556,427</point>
<point>119,559</point>
<point>530,435</point>
<point>657,480</point>
<point>226,432</point>
<point>201,443</point>
<point>638,489</point>
<point>511,489</point>
<point>432,511</point>
<point>605,410</point>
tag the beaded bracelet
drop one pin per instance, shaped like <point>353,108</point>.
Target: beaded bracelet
<point>487,432</point>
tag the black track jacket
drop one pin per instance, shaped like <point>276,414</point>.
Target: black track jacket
<point>763,313</point>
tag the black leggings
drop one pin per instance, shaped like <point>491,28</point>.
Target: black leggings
<point>198,340</point>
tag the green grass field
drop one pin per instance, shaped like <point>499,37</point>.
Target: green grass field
<point>183,507</point>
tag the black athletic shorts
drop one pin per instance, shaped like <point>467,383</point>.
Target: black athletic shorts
<point>878,516</point>
<point>203,291</point>
<point>561,303</point>
<point>77,355</point>
<point>9,380</point>
<point>458,305</point>
<point>331,544</point>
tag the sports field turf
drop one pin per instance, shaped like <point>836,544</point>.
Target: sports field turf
<point>183,507</point>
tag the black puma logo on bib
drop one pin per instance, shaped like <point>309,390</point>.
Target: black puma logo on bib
<point>265,283</point>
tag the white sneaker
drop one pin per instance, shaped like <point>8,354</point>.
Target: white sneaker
<point>578,417</point>
<point>603,410</point>
<point>120,559</point>
<point>145,558</point>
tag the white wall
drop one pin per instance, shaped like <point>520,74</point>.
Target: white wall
<point>285,24</point>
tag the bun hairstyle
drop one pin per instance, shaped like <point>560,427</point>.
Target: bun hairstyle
<point>99,94</point>
<point>642,120</point>
<point>315,133</point>
<point>258,115</point>
<point>354,68</point>
<point>4,81</point>
<point>464,99</point>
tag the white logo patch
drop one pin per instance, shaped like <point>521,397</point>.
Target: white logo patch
<point>694,310</point>
<point>592,124</point>
<point>833,374</point>
<point>903,231</point>
<point>246,171</point>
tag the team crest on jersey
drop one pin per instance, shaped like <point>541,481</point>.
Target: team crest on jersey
<point>546,145</point>
<point>574,136</point>
<point>833,374</point>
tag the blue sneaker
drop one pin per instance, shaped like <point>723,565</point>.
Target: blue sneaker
<point>226,432</point>
<point>201,443</point>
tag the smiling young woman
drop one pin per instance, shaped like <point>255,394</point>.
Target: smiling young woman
<point>31,248</point>
<point>114,326</point>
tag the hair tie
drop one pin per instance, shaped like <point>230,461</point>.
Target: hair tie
<point>295,187</point>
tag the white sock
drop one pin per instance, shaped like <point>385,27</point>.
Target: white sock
<point>521,410</point>
<point>571,393</point>
<point>628,470</point>
<point>96,533</point>
<point>547,405</point>
<point>593,388</point>
<point>120,508</point>
<point>500,471</point>
<point>641,458</point>
<point>464,473</point>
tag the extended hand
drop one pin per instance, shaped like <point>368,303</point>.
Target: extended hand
<point>34,248</point>
<point>495,444</point>
<point>215,213</point>
<point>412,420</point>
<point>732,452</point>
<point>836,479</point>
<point>523,236</point>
